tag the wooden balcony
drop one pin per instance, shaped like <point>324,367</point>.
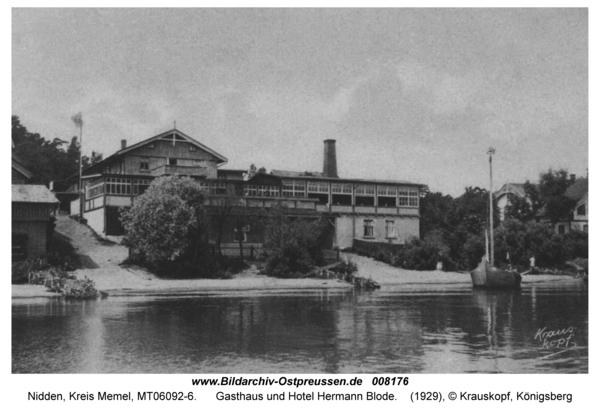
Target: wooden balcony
<point>180,170</point>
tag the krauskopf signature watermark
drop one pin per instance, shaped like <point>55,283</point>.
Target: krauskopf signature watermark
<point>563,339</point>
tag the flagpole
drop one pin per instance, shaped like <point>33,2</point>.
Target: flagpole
<point>490,152</point>
<point>81,197</point>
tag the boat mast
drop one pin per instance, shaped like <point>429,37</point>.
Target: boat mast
<point>491,152</point>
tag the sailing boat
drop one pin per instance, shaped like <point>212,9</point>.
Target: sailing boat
<point>486,275</point>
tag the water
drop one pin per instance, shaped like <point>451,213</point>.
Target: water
<point>399,329</point>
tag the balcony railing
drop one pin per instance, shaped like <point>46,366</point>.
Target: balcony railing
<point>179,170</point>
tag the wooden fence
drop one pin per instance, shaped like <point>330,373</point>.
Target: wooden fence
<point>372,248</point>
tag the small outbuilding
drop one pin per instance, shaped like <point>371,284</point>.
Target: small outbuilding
<point>33,207</point>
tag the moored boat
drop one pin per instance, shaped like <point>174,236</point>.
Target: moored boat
<point>486,276</point>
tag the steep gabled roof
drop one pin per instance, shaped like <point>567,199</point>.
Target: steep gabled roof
<point>125,150</point>
<point>180,134</point>
<point>514,188</point>
<point>16,164</point>
<point>578,189</point>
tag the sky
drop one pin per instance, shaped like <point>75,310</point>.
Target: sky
<point>408,94</point>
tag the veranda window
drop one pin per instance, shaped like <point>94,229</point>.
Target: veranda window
<point>408,197</point>
<point>118,186</point>
<point>294,188</point>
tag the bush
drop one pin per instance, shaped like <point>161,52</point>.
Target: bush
<point>576,244</point>
<point>80,289</point>
<point>292,246</point>
<point>347,266</point>
<point>522,240</point>
<point>166,230</point>
<point>22,270</point>
<point>61,256</point>
<point>61,253</point>
<point>417,255</point>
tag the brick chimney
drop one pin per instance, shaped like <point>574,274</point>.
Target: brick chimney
<point>329,160</point>
<point>123,144</point>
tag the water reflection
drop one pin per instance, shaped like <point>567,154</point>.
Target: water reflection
<point>431,329</point>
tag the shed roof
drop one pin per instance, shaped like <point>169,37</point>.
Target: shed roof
<point>26,193</point>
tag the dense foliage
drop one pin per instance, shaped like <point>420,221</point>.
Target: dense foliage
<point>61,257</point>
<point>292,245</point>
<point>452,230</point>
<point>548,196</point>
<point>48,160</point>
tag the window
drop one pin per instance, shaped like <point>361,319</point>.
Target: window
<point>386,196</point>
<point>318,187</point>
<point>341,194</point>
<point>172,161</point>
<point>293,188</point>
<point>408,197</point>
<point>390,229</point>
<point>144,164</point>
<point>218,187</point>
<point>319,191</point>
<point>19,246</point>
<point>561,229</point>
<point>193,148</point>
<point>363,190</point>
<point>364,195</point>
<point>237,236</point>
<point>140,186</point>
<point>368,228</point>
<point>118,186</point>
<point>95,190</point>
<point>581,210</point>
<point>261,191</point>
<point>341,188</point>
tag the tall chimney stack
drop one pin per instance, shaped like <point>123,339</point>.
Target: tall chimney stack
<point>329,160</point>
<point>123,144</point>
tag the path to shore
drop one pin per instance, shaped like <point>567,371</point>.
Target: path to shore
<point>114,279</point>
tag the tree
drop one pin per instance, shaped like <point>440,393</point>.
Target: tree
<point>242,217</point>
<point>291,245</point>
<point>549,195</point>
<point>168,222</point>
<point>221,208</point>
<point>228,211</point>
<point>48,160</point>
<point>434,212</point>
<point>518,208</point>
<point>45,159</point>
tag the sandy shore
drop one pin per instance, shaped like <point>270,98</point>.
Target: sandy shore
<point>103,261</point>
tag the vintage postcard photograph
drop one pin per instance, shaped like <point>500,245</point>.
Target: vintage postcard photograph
<point>228,191</point>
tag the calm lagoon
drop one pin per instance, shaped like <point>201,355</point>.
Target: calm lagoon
<point>409,328</point>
